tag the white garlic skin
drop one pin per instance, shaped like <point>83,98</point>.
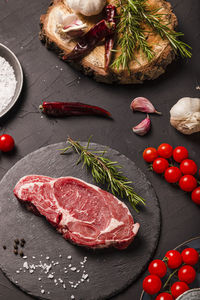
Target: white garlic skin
<point>86,7</point>
<point>185,115</point>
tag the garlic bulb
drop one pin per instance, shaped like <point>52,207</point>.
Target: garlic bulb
<point>86,7</point>
<point>185,115</point>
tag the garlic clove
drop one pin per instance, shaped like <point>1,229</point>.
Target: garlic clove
<point>70,26</point>
<point>143,127</point>
<point>144,105</point>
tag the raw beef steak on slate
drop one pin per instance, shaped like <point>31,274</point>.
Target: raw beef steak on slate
<point>83,213</point>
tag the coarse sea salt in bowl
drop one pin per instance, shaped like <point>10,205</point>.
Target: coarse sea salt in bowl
<point>11,79</point>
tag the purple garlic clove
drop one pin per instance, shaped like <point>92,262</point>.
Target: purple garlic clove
<point>144,105</point>
<point>143,127</point>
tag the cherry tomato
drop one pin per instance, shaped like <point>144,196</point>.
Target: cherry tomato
<point>187,274</point>
<point>157,267</point>
<point>165,150</point>
<point>150,154</point>
<point>196,196</point>
<point>164,296</point>
<point>6,143</point>
<point>174,259</point>
<point>187,183</point>
<point>188,167</point>
<point>180,153</point>
<point>160,165</point>
<point>178,288</point>
<point>172,174</point>
<point>190,256</point>
<point>152,284</point>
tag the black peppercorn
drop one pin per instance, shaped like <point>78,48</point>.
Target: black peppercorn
<point>16,241</point>
<point>4,247</point>
<point>15,252</point>
<point>21,253</point>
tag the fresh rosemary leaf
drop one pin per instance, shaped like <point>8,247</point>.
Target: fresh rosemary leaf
<point>133,14</point>
<point>104,170</point>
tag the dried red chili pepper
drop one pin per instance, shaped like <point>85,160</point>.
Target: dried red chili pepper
<point>89,40</point>
<point>62,109</point>
<point>110,17</point>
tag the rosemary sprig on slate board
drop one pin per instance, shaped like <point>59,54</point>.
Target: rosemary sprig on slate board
<point>105,171</point>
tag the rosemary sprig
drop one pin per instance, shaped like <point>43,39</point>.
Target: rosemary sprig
<point>105,171</point>
<point>134,14</point>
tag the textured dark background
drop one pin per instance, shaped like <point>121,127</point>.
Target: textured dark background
<point>48,78</point>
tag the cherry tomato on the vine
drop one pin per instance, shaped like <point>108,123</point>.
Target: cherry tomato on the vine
<point>152,284</point>
<point>160,165</point>
<point>196,195</point>
<point>165,150</point>
<point>174,259</point>
<point>187,183</point>
<point>157,267</point>
<point>6,142</point>
<point>164,296</point>
<point>172,174</point>
<point>190,256</point>
<point>150,154</point>
<point>180,153</point>
<point>188,167</point>
<point>186,274</point>
<point>178,288</point>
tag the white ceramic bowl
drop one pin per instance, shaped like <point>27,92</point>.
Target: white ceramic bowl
<point>8,55</point>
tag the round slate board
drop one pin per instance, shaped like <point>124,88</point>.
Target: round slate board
<point>55,269</point>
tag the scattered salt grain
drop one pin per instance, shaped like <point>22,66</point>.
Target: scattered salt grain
<point>69,257</point>
<point>73,269</point>
<point>85,276</point>
<point>39,278</point>
<point>42,291</point>
<point>72,297</point>
<point>50,276</point>
<point>25,265</point>
<point>7,83</point>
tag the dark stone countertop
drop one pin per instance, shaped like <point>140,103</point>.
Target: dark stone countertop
<point>48,78</point>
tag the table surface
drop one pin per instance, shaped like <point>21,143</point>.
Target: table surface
<point>48,78</point>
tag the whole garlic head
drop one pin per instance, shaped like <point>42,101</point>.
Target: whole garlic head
<point>185,115</point>
<point>86,7</point>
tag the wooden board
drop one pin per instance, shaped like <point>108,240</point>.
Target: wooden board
<point>93,64</point>
<point>109,270</point>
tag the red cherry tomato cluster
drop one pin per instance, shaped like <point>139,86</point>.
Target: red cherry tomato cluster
<point>6,143</point>
<point>181,265</point>
<point>182,174</point>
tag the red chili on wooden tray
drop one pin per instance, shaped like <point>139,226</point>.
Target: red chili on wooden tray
<point>62,109</point>
<point>88,41</point>
<point>109,42</point>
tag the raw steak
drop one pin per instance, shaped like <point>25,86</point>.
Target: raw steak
<point>83,213</point>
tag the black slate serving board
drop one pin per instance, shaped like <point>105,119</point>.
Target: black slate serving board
<point>55,269</point>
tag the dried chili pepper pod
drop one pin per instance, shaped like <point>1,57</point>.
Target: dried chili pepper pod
<point>109,40</point>
<point>88,41</point>
<point>63,109</point>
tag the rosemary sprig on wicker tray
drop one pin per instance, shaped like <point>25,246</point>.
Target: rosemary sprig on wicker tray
<point>133,17</point>
<point>105,171</point>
